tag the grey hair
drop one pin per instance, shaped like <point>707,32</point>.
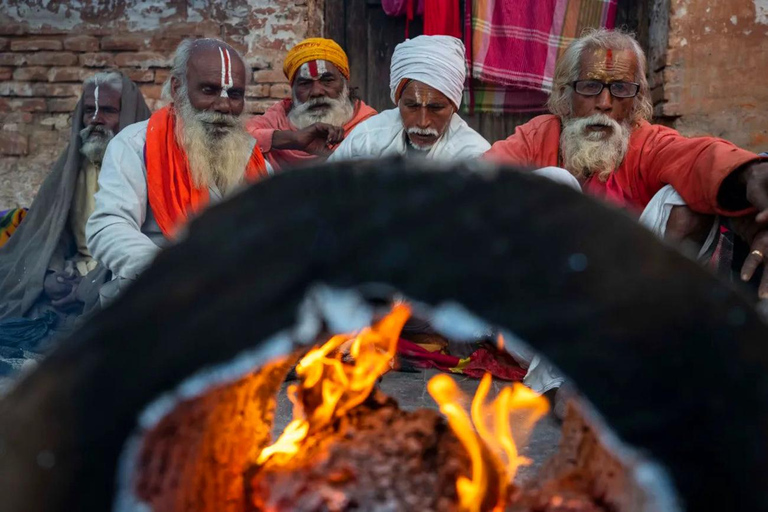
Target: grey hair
<point>181,61</point>
<point>112,79</point>
<point>567,71</point>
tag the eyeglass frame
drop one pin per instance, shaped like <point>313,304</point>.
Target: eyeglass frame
<point>603,86</point>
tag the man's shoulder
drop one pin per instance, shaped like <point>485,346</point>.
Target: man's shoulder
<point>541,124</point>
<point>133,135</point>
<point>463,135</point>
<point>386,121</point>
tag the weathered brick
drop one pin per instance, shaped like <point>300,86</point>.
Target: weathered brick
<point>56,105</point>
<point>258,106</point>
<point>6,74</point>
<point>126,42</point>
<point>56,122</point>
<point>257,62</point>
<point>52,59</point>
<point>27,104</point>
<point>12,29</point>
<point>161,75</point>
<point>4,43</point>
<point>15,89</point>
<point>96,60</point>
<point>13,143</point>
<point>41,140</point>
<point>13,59</point>
<point>269,76</point>
<point>34,44</point>
<point>142,60</point>
<point>31,74</point>
<point>45,90</point>
<point>152,92</point>
<point>257,91</point>
<point>81,44</point>
<point>140,75</point>
<point>280,91</point>
<point>71,74</point>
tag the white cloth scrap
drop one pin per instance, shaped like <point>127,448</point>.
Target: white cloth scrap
<point>437,61</point>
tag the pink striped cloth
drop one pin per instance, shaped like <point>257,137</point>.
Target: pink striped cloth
<point>516,43</point>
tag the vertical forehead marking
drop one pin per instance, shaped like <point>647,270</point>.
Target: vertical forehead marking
<point>96,99</point>
<point>313,69</point>
<point>609,58</point>
<point>226,71</point>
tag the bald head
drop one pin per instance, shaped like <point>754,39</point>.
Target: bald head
<point>211,74</point>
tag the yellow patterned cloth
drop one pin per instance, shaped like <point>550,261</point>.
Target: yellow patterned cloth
<point>315,48</point>
<point>9,222</point>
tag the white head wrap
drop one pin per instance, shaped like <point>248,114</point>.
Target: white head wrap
<point>437,61</point>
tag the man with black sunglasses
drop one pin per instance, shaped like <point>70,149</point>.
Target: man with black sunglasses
<point>599,132</point>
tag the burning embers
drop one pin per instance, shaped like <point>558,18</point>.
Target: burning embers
<point>349,447</point>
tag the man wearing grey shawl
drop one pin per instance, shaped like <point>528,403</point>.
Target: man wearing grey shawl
<point>46,271</point>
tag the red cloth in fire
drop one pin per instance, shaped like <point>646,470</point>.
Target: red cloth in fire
<point>486,359</point>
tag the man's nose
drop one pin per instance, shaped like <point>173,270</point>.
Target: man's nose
<point>604,101</point>
<point>423,119</point>
<point>317,90</point>
<point>222,105</point>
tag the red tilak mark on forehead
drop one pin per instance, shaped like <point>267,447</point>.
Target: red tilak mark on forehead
<point>227,69</point>
<point>609,58</point>
<point>312,65</point>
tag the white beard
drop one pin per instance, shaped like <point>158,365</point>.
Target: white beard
<point>94,142</point>
<point>420,131</point>
<point>588,153</point>
<point>216,154</point>
<point>338,113</point>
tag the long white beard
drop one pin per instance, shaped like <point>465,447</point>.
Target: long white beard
<point>588,153</point>
<point>338,113</point>
<point>216,155</point>
<point>94,142</point>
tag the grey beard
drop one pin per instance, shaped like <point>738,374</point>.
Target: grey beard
<point>338,113</point>
<point>95,139</point>
<point>585,154</point>
<point>217,145</point>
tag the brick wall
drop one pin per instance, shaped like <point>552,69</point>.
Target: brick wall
<point>47,48</point>
<point>710,75</point>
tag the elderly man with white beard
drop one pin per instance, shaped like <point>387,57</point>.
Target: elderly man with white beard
<point>599,132</point>
<point>426,83</point>
<point>44,264</point>
<point>158,174</point>
<point>321,112</point>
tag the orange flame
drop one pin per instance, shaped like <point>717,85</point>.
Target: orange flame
<point>328,388</point>
<point>516,408</point>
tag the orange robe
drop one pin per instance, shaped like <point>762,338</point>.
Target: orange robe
<point>172,194</point>
<point>276,118</point>
<point>657,156</point>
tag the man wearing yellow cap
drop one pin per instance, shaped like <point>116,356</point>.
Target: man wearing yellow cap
<point>321,112</point>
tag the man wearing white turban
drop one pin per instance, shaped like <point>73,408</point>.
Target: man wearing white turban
<point>426,81</point>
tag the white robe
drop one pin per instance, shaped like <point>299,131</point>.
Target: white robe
<point>383,135</point>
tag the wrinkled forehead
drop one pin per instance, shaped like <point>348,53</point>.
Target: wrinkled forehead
<point>608,65</point>
<point>315,69</point>
<point>422,93</point>
<point>208,63</point>
<point>108,95</point>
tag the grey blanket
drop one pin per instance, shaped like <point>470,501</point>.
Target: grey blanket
<point>44,240</point>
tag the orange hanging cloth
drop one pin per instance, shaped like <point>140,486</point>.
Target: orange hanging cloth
<point>173,196</point>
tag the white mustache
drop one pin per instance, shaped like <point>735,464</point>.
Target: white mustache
<point>423,131</point>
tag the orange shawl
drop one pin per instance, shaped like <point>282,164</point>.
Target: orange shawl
<point>173,196</point>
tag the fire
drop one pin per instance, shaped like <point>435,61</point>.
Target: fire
<point>493,428</point>
<point>328,387</point>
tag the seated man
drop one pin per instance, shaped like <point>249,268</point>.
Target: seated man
<point>426,83</point>
<point>322,111</point>
<point>43,264</point>
<point>599,132</point>
<point>159,173</point>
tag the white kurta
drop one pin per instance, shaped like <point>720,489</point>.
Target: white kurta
<point>383,135</point>
<point>122,232</point>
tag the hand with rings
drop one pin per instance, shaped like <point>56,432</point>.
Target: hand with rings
<point>758,249</point>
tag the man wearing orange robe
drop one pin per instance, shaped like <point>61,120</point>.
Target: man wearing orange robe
<point>159,173</point>
<point>321,112</point>
<point>598,131</point>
